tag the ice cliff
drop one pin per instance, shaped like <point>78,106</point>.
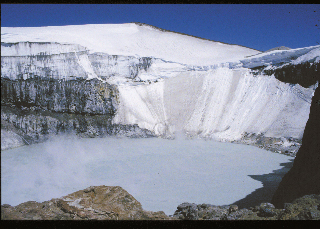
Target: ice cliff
<point>220,103</point>
<point>161,81</point>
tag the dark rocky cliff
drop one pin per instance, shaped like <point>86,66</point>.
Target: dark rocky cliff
<point>304,177</point>
<point>72,96</point>
<point>34,109</point>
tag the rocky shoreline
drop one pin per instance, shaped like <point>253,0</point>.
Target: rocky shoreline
<point>25,126</point>
<point>115,203</point>
<point>304,208</point>
<point>286,146</point>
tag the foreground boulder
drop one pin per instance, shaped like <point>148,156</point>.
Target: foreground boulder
<point>93,203</point>
<point>304,177</point>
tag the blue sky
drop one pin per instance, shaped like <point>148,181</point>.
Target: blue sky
<point>256,26</point>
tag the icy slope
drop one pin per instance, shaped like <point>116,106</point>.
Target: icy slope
<point>130,40</point>
<point>277,57</point>
<point>221,104</point>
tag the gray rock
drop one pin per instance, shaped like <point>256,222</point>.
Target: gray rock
<point>233,208</point>
<point>267,210</point>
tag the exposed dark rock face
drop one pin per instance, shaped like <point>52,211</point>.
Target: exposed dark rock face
<point>304,176</point>
<point>96,202</point>
<point>26,126</point>
<point>306,74</point>
<point>36,108</point>
<point>73,96</point>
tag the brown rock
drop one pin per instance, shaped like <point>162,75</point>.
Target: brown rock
<point>96,202</point>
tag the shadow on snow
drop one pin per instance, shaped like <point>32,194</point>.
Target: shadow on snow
<point>270,183</point>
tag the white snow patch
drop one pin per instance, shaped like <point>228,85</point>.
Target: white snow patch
<point>76,203</point>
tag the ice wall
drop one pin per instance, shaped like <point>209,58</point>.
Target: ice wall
<point>38,48</point>
<point>60,66</point>
<point>220,103</point>
<point>65,61</point>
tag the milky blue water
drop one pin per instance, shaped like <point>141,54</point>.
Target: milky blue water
<point>159,173</point>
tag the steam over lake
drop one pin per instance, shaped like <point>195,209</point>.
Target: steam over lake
<point>159,173</point>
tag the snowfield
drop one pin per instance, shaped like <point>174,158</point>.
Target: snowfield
<point>131,40</point>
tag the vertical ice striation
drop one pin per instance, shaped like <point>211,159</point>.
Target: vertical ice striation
<point>143,105</point>
<point>67,61</point>
<point>38,48</point>
<point>222,103</point>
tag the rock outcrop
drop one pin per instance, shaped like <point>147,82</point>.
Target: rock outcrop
<point>93,203</point>
<point>27,126</point>
<point>72,96</point>
<point>304,208</point>
<point>304,176</point>
<point>34,109</point>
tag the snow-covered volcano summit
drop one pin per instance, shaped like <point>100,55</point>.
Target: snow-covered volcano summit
<point>132,39</point>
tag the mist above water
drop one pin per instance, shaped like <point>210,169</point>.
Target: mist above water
<point>159,173</point>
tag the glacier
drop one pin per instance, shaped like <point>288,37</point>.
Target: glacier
<point>164,82</point>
